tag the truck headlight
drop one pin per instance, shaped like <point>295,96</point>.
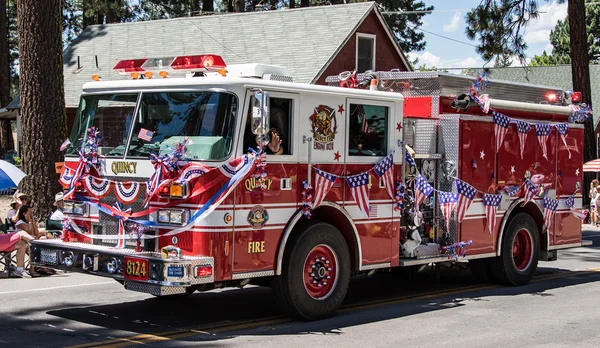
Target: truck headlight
<point>173,216</point>
<point>79,209</point>
<point>68,207</point>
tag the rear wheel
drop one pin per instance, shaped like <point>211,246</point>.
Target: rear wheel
<point>315,273</point>
<point>520,251</point>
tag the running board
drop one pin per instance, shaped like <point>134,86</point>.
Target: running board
<point>441,259</point>
<point>585,242</point>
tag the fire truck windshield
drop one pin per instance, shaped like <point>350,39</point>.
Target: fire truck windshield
<point>162,119</point>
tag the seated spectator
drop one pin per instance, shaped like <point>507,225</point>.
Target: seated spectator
<point>27,223</point>
<point>17,241</point>
<point>58,202</point>
<point>19,199</point>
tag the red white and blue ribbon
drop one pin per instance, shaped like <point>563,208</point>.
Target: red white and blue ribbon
<point>385,170</point>
<point>491,203</point>
<point>307,199</point>
<point>399,199</point>
<point>121,234</point>
<point>447,203</point>
<point>550,206</point>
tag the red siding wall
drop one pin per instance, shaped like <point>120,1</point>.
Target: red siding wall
<point>386,56</point>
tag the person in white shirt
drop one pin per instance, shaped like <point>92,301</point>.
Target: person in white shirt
<point>58,202</point>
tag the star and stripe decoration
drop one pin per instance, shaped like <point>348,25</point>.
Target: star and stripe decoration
<point>491,203</point>
<point>447,203</point>
<point>501,123</point>
<point>423,189</point>
<point>323,184</point>
<point>466,194</point>
<point>530,191</point>
<point>522,128</point>
<point>542,130</point>
<point>359,187</point>
<point>383,169</point>
<point>550,206</point>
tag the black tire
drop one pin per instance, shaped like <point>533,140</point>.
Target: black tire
<point>504,267</point>
<point>292,293</point>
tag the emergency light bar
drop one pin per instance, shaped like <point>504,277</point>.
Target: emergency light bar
<point>191,63</point>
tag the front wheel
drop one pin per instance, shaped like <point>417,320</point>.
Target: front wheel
<point>520,251</point>
<point>315,273</point>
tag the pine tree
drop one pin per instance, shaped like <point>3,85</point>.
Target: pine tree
<point>561,41</point>
<point>500,24</point>
<point>42,98</point>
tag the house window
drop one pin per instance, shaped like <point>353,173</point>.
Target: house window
<point>365,52</point>
<point>368,130</point>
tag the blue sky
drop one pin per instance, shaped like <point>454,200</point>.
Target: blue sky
<point>448,19</point>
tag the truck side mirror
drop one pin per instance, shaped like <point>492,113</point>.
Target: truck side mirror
<point>260,113</point>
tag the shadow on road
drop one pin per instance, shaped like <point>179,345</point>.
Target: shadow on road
<point>165,317</point>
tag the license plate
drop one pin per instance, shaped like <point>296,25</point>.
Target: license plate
<point>175,271</point>
<point>136,269</point>
<point>49,257</point>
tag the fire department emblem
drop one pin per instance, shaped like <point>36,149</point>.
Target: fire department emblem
<point>258,217</point>
<point>324,127</point>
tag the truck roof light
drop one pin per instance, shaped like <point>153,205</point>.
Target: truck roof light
<point>204,61</point>
<point>96,77</point>
<point>163,74</point>
<point>576,97</point>
<point>551,97</point>
<point>158,63</point>
<point>127,66</point>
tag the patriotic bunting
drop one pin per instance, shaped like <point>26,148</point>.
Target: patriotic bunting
<point>530,191</point>
<point>500,128</point>
<point>447,203</point>
<point>96,187</point>
<point>359,186</point>
<point>384,169</point>
<point>577,213</point>
<point>491,203</point>
<point>563,130</point>
<point>127,192</point>
<point>542,130</point>
<point>522,128</point>
<point>550,206</point>
<point>466,193</point>
<point>323,184</point>
<point>423,190</point>
<point>409,159</point>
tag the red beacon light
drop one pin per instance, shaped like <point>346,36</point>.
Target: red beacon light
<point>125,67</point>
<point>205,61</point>
<point>576,97</point>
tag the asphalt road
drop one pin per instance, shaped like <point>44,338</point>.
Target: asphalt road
<point>442,309</point>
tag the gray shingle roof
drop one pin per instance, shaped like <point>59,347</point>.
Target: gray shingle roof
<point>554,76</point>
<point>302,40</point>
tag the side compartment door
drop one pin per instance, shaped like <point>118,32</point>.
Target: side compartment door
<point>263,206</point>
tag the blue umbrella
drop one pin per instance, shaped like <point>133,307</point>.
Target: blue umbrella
<point>10,176</point>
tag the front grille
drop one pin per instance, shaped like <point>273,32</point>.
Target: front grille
<point>109,225</point>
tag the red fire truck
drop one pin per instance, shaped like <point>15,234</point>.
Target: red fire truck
<point>407,169</point>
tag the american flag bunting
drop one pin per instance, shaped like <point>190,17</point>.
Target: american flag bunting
<point>542,130</point>
<point>530,190</point>
<point>447,203</point>
<point>563,130</point>
<point>359,186</point>
<point>466,194</point>
<point>550,206</point>
<point>385,170</point>
<point>491,203</point>
<point>570,202</point>
<point>423,189</point>
<point>501,122</point>
<point>409,159</point>
<point>522,128</point>
<point>360,110</point>
<point>323,183</point>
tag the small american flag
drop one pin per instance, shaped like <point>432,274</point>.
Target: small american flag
<point>530,191</point>
<point>385,170</point>
<point>323,184</point>
<point>360,110</point>
<point>550,206</point>
<point>570,202</point>
<point>466,193</point>
<point>501,128</point>
<point>522,128</point>
<point>491,203</point>
<point>423,190</point>
<point>145,134</point>
<point>563,130</point>
<point>447,203</point>
<point>542,131</point>
<point>359,186</point>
